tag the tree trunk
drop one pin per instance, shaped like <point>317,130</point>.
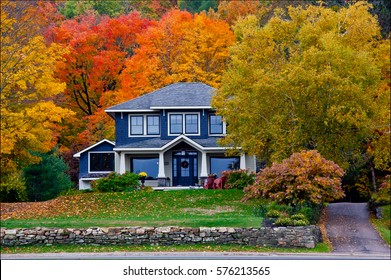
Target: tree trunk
<point>373,178</point>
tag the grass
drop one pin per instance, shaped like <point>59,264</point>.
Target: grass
<point>320,248</point>
<point>190,208</point>
<point>383,225</point>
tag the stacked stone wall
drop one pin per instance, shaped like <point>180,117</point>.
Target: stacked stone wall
<point>287,237</point>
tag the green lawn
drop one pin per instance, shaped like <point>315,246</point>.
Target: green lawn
<point>383,225</point>
<point>320,248</point>
<point>191,208</point>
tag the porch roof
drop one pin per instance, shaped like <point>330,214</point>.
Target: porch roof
<point>159,144</point>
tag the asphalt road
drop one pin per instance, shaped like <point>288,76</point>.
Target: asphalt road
<point>193,256</point>
<point>350,231</point>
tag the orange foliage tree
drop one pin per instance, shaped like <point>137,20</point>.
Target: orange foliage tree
<point>98,47</point>
<point>304,177</point>
<point>180,48</point>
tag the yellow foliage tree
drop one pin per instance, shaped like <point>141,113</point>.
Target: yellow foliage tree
<point>28,113</point>
<point>310,78</point>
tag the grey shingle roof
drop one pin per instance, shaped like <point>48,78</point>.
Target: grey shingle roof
<point>174,95</point>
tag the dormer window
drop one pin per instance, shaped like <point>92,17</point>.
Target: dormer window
<point>183,123</point>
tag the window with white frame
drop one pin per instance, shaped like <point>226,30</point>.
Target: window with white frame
<point>136,125</point>
<point>176,123</point>
<point>144,125</point>
<point>191,125</point>
<point>184,123</point>
<point>216,124</point>
<point>101,162</point>
<point>153,125</point>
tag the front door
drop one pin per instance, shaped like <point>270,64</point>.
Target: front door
<point>185,168</point>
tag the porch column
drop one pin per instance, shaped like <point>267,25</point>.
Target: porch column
<point>243,161</point>
<point>122,168</point>
<point>161,177</point>
<point>204,170</point>
<point>116,161</point>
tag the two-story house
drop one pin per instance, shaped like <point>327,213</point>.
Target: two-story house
<point>171,134</point>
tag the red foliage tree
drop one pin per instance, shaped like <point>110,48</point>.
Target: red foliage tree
<point>304,177</point>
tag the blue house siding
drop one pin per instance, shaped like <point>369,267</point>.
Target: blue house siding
<point>122,126</point>
<point>196,149</point>
<point>83,165</point>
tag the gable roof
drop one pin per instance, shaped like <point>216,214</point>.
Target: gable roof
<point>92,146</point>
<point>174,96</point>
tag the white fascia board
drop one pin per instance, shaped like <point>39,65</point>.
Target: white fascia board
<point>186,139</point>
<point>137,149</point>
<point>90,147</point>
<point>129,111</point>
<point>181,107</point>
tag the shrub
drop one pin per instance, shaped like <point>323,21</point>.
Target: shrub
<point>46,179</point>
<point>274,214</point>
<point>12,189</point>
<point>284,221</point>
<point>301,223</point>
<point>297,217</point>
<point>304,177</point>
<point>238,179</point>
<point>115,182</point>
<point>383,196</point>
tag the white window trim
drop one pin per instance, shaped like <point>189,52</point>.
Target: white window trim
<point>99,152</point>
<point>184,123</point>
<point>213,134</point>
<point>144,126</point>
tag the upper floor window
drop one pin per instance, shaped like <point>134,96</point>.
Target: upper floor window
<point>215,124</point>
<point>184,123</point>
<point>153,125</point>
<point>140,125</point>
<point>191,124</point>
<point>101,162</point>
<point>176,124</point>
<point>136,125</point>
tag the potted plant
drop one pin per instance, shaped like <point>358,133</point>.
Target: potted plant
<point>142,175</point>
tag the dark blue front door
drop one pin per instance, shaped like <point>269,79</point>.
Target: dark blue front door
<point>185,168</point>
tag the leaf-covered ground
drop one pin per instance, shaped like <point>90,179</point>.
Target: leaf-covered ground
<point>181,208</point>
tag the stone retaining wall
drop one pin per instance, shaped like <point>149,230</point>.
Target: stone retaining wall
<point>306,237</point>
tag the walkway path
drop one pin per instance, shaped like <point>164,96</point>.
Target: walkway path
<point>350,231</point>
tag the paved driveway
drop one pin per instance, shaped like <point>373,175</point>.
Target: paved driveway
<point>350,231</point>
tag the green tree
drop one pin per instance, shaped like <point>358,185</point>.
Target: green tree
<point>197,6</point>
<point>310,78</point>
<point>72,8</point>
<point>48,178</point>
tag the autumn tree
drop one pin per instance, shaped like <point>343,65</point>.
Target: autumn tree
<point>180,48</point>
<point>310,78</point>
<point>29,117</point>
<point>231,11</point>
<point>98,48</point>
<point>303,178</point>
<point>71,9</point>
